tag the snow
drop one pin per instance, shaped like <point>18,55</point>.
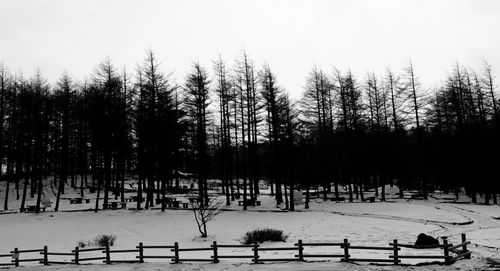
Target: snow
<point>486,237</point>
<point>373,224</point>
<point>62,231</point>
<point>487,210</point>
<point>288,266</point>
<point>407,210</point>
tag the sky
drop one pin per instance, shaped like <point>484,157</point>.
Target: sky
<point>291,36</point>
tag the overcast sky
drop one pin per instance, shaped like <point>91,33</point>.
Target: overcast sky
<point>291,36</point>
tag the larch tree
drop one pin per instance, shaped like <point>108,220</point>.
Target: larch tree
<point>197,102</point>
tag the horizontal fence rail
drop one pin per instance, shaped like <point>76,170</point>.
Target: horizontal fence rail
<point>254,252</point>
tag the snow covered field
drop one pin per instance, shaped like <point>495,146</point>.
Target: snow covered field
<point>362,223</point>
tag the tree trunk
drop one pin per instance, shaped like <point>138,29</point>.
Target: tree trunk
<point>307,197</point>
<point>39,194</point>
<point>97,198</point>
<point>292,203</point>
<point>362,195</point>
<point>383,191</point>
<point>6,200</point>
<point>350,191</point>
<point>286,197</point>
<point>25,188</point>
<point>139,193</point>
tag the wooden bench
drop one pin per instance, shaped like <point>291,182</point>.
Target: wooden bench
<point>312,194</point>
<point>369,199</point>
<point>417,196</point>
<point>175,204</point>
<point>32,209</point>
<point>193,199</point>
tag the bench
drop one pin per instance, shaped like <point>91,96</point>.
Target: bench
<point>369,199</point>
<point>193,199</point>
<point>175,204</point>
<point>32,209</point>
<point>312,194</point>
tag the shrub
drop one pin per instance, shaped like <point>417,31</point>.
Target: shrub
<point>105,240</point>
<point>262,235</point>
<point>82,244</point>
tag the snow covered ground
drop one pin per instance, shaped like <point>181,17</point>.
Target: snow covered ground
<point>362,223</point>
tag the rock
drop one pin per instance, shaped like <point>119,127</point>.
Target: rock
<point>424,240</point>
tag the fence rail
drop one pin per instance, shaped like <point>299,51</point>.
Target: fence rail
<point>257,254</point>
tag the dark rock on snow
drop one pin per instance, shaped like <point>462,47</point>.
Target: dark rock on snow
<point>424,240</point>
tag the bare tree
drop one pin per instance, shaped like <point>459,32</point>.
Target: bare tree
<point>205,212</point>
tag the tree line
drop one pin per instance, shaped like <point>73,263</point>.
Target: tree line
<point>237,125</point>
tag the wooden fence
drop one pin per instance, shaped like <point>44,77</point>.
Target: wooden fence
<point>257,254</point>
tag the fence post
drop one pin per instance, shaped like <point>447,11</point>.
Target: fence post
<point>108,258</point>
<point>216,257</point>
<point>395,245</point>
<point>141,252</point>
<point>301,251</point>
<point>346,250</point>
<point>45,256</point>
<point>255,253</point>
<point>446,250</point>
<point>77,255</point>
<point>464,247</point>
<point>176,252</point>
<point>16,257</point>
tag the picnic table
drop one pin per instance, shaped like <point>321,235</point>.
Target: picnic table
<point>32,209</point>
<point>178,190</point>
<point>78,200</point>
<point>113,205</point>
<point>337,199</point>
<point>176,204</point>
<point>166,200</point>
<point>134,199</point>
<point>249,202</point>
<point>417,196</point>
